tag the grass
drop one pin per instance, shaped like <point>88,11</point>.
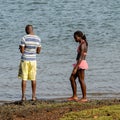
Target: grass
<point>61,110</point>
<point>102,113</point>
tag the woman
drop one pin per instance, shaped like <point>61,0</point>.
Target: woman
<point>80,67</point>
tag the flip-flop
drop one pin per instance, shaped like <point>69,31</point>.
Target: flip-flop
<point>34,99</point>
<point>72,99</point>
<point>83,100</point>
<point>23,99</point>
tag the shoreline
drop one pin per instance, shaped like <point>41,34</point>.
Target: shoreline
<point>52,109</point>
<point>61,99</point>
<point>90,96</point>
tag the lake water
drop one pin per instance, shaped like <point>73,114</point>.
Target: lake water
<point>55,21</point>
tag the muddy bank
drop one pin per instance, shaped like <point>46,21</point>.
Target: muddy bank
<point>47,109</point>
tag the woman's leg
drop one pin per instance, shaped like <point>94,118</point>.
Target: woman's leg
<point>74,87</point>
<point>81,76</point>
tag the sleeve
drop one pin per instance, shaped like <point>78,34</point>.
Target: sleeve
<point>39,43</point>
<point>22,42</point>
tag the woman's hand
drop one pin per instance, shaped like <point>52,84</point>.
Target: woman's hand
<point>74,71</point>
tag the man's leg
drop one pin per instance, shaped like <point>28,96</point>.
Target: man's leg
<point>23,86</point>
<point>32,77</point>
<point>33,85</point>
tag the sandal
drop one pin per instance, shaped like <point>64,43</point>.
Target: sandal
<point>83,100</point>
<point>23,99</point>
<point>34,99</point>
<point>72,99</point>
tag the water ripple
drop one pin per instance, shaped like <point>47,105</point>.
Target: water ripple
<point>55,22</point>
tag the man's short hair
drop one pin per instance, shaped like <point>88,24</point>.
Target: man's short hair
<point>27,28</point>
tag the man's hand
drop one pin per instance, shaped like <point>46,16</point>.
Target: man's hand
<point>22,48</point>
<point>38,50</point>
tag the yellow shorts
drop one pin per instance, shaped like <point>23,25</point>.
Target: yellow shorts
<point>27,70</point>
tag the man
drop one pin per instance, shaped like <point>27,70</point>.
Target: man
<point>29,47</point>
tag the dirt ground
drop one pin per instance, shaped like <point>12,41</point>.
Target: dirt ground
<point>47,109</point>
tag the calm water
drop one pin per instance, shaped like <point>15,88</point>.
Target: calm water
<point>55,21</point>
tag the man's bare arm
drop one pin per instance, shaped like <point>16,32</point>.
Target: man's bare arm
<point>38,50</point>
<point>22,48</point>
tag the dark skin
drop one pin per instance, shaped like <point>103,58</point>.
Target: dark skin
<point>23,48</point>
<point>79,73</point>
<point>33,82</point>
<point>30,31</point>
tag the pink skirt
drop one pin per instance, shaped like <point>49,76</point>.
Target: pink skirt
<point>82,65</point>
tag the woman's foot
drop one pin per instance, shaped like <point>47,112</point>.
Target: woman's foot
<point>83,100</point>
<point>73,99</point>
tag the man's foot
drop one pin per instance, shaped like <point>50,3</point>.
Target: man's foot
<point>23,99</point>
<point>83,100</point>
<point>73,99</point>
<point>34,99</point>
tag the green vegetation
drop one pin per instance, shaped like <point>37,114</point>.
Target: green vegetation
<point>61,110</point>
<point>102,113</point>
